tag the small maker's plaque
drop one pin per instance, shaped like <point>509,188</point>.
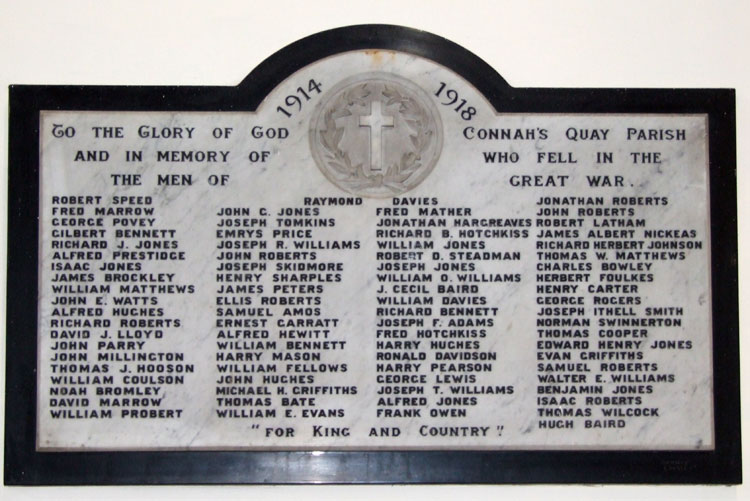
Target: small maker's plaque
<point>380,250</point>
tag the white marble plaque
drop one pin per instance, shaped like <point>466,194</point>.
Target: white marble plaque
<point>374,259</point>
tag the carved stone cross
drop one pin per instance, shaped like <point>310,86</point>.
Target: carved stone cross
<point>376,120</point>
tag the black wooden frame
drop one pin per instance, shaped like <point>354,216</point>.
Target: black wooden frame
<point>24,465</point>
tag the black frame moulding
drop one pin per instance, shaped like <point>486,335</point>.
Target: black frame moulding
<point>24,465</point>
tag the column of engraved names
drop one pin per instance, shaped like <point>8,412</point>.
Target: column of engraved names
<point>243,338</point>
<point>246,342</point>
<point>142,273</point>
<point>278,353</point>
<point>77,316</point>
<point>315,352</point>
<point>563,271</point>
<point>434,319</point>
<point>594,321</point>
<point>404,305</point>
<point>630,251</point>
<point>478,263</point>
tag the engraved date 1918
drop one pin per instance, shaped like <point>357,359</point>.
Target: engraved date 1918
<point>451,97</point>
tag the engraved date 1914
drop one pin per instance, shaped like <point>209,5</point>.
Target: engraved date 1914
<point>293,101</point>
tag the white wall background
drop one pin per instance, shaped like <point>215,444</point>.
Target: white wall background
<point>637,43</point>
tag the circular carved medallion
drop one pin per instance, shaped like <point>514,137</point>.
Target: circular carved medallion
<point>376,135</point>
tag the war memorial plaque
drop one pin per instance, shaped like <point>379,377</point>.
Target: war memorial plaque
<point>372,261</point>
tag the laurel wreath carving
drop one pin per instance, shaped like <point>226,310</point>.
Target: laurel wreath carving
<point>397,174</point>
